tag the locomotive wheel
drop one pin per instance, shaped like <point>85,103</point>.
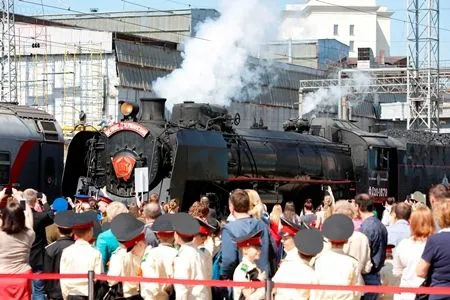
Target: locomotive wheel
<point>237,119</point>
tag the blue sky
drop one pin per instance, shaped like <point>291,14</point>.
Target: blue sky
<point>398,28</point>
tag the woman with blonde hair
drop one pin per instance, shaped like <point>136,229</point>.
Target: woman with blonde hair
<point>325,212</point>
<point>256,206</point>
<point>408,252</point>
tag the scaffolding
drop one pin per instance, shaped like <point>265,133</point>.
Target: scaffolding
<point>69,89</point>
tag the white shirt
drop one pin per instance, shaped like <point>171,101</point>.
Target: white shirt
<point>157,263</point>
<point>406,259</point>
<point>337,268</point>
<point>124,263</point>
<point>240,275</point>
<point>294,269</point>
<point>79,258</point>
<point>189,264</point>
<point>358,247</point>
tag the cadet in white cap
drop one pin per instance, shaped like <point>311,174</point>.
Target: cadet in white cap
<point>158,262</point>
<point>80,257</point>
<point>126,259</point>
<point>308,243</point>
<point>189,263</point>
<point>334,266</point>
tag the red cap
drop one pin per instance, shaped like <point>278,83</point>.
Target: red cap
<point>288,228</point>
<point>251,240</point>
<point>133,242</point>
<point>104,199</point>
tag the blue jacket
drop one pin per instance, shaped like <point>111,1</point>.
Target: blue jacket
<point>231,256</point>
<point>106,243</point>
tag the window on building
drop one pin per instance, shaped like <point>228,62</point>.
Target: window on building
<point>352,29</point>
<point>352,46</point>
<point>336,29</point>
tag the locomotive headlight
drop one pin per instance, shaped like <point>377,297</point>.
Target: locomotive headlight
<point>128,109</point>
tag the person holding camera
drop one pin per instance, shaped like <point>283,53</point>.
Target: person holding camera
<point>42,217</point>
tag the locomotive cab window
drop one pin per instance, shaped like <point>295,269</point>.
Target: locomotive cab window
<point>378,159</point>
<point>5,164</point>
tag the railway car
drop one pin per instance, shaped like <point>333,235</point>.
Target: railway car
<point>389,166</point>
<point>31,150</point>
<point>202,152</point>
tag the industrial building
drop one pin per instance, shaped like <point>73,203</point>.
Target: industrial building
<point>356,23</point>
<point>66,70</point>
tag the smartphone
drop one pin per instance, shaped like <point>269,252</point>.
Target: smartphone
<point>39,195</point>
<point>23,203</point>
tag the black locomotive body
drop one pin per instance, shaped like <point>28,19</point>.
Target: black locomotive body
<point>31,150</point>
<point>201,152</point>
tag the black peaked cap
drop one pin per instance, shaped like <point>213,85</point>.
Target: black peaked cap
<point>252,239</point>
<point>83,220</point>
<point>309,241</point>
<point>206,224</point>
<point>126,227</point>
<point>64,219</point>
<point>338,227</point>
<point>185,224</point>
<point>163,223</point>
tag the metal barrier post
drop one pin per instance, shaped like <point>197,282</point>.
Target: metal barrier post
<point>268,287</point>
<point>91,285</point>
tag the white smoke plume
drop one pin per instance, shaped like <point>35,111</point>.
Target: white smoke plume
<point>214,68</point>
<point>357,84</point>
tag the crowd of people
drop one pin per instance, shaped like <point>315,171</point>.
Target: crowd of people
<point>340,242</point>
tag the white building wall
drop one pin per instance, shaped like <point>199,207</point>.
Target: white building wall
<point>316,20</point>
<point>70,71</point>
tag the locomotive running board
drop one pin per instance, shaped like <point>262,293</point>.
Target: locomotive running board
<point>282,179</point>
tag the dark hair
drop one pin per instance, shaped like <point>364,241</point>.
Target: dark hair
<point>240,201</point>
<point>13,218</point>
<point>390,200</point>
<point>308,204</point>
<point>289,211</point>
<point>364,202</point>
<point>403,211</point>
<point>65,231</point>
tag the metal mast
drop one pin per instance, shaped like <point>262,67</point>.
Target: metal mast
<point>8,63</point>
<point>423,64</point>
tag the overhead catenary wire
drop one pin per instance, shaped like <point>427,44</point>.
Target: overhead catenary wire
<point>139,25</point>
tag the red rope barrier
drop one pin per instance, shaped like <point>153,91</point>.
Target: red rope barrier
<point>229,283</point>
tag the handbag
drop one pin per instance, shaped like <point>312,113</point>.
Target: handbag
<point>425,283</point>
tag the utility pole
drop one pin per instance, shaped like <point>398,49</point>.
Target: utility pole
<point>8,63</point>
<point>423,64</point>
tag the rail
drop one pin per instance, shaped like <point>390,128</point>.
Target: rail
<point>268,285</point>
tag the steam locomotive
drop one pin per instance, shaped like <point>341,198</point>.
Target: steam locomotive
<point>31,150</point>
<point>202,152</point>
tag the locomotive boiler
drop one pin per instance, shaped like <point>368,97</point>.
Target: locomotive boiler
<point>201,151</point>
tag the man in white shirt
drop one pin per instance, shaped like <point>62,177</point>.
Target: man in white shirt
<point>80,258</point>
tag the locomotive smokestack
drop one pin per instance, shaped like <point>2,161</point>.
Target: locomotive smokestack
<point>153,109</point>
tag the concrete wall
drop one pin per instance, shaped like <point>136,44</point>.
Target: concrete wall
<point>316,20</point>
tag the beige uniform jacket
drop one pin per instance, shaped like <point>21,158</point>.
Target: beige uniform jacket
<point>240,275</point>
<point>294,269</point>
<point>157,263</point>
<point>189,264</point>
<point>123,263</point>
<point>79,258</point>
<point>334,267</point>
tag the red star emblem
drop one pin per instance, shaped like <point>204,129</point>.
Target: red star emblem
<point>123,166</point>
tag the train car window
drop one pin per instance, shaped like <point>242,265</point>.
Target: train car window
<point>378,159</point>
<point>5,165</point>
<point>50,132</point>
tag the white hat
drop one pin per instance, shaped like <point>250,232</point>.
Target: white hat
<point>419,197</point>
